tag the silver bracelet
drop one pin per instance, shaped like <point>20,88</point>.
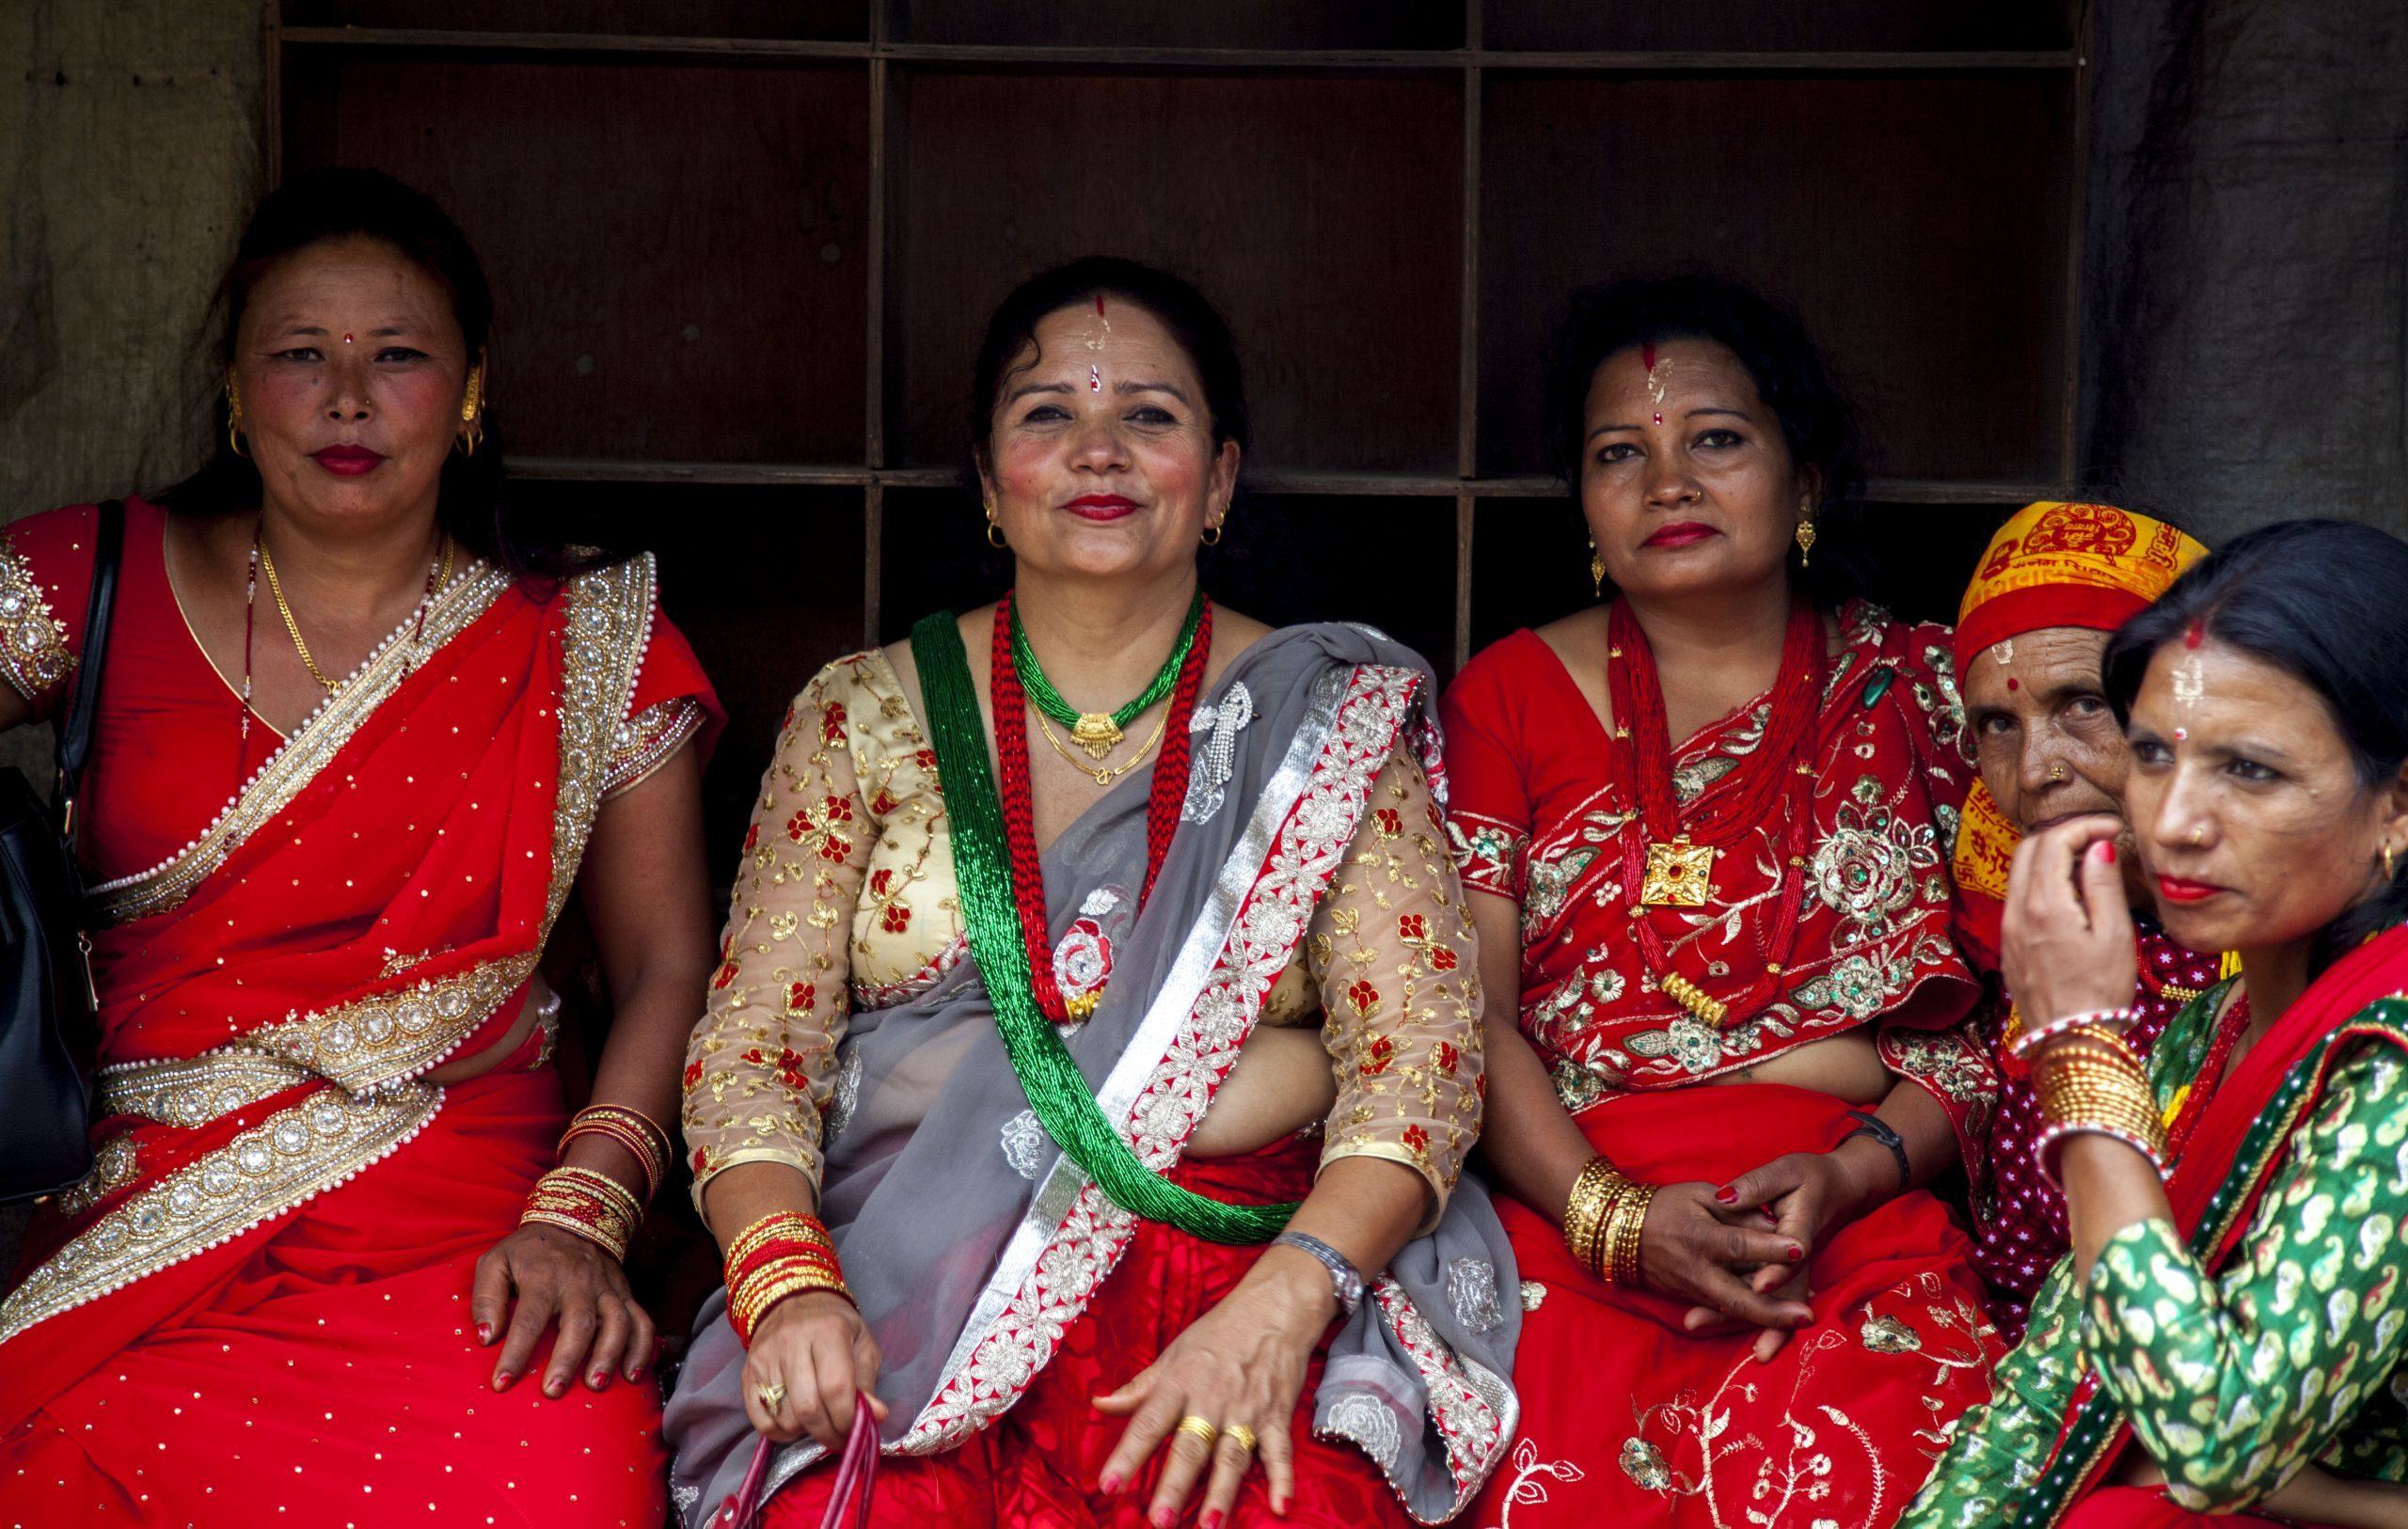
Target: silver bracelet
<point>1346,1281</point>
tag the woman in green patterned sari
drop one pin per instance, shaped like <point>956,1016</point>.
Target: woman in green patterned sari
<point>2227,1341</point>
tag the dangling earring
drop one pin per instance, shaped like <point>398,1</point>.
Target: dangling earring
<point>1597,568</point>
<point>1211,536</point>
<point>995,532</point>
<point>2389,876</point>
<point>234,418</point>
<point>1806,534</point>
<point>472,420</point>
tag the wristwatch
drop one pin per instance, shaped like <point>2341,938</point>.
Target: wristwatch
<point>1346,1282</point>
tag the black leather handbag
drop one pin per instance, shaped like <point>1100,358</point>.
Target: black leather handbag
<point>47,1028</point>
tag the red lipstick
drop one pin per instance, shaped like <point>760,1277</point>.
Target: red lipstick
<point>1681,533</point>
<point>347,460</point>
<point>2176,890</point>
<point>1102,506</point>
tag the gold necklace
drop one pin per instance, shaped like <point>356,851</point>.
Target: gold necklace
<point>1106,778</point>
<point>438,574</point>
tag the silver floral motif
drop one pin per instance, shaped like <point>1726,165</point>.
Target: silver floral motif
<point>1696,1047</point>
<point>1371,1423</point>
<point>1215,757</point>
<point>1472,1290</point>
<point>1868,869</point>
<point>1533,1295</point>
<point>1026,1146</point>
<point>843,1097</point>
<point>1644,1464</point>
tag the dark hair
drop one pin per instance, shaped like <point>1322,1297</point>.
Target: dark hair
<point>2320,600</point>
<point>1816,422</point>
<point>1194,322</point>
<point>329,206</point>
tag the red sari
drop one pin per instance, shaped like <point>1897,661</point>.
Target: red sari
<point>1626,1419</point>
<point>257,1303</point>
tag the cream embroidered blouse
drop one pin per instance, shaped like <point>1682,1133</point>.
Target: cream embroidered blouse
<point>846,900</point>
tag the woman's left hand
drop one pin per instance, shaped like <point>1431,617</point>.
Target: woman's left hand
<point>1243,1364</point>
<point>538,1275</point>
<point>1803,1194</point>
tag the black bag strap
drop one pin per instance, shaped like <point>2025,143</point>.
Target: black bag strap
<point>75,728</point>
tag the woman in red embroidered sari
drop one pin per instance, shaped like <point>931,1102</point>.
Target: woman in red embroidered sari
<point>294,1287</point>
<point>1704,833</point>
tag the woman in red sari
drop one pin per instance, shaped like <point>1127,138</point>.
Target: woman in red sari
<point>1704,833</point>
<point>356,744</point>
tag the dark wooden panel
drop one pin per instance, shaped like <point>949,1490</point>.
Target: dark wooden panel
<point>1530,561</point>
<point>1320,213</point>
<point>764,582</point>
<point>1169,23</point>
<point>1770,25</point>
<point>677,250</point>
<point>1286,559</point>
<point>1917,223</point>
<point>811,19</point>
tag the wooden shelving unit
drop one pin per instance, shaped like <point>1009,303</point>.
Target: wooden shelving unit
<point>743,259</point>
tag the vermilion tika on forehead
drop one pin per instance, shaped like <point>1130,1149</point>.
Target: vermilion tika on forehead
<point>1655,384</point>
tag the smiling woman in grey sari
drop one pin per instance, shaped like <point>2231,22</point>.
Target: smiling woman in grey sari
<point>1129,1054</point>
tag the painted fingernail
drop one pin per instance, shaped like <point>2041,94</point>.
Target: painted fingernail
<point>1164,1519</point>
<point>634,1372</point>
<point>1796,1253</point>
<point>1109,1485</point>
<point>599,1379</point>
<point>484,1333</point>
<point>2107,851</point>
<point>1728,1195</point>
<point>501,1380</point>
<point>1211,1521</point>
<point>556,1388</point>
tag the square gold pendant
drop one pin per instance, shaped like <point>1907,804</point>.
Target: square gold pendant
<point>1679,875</point>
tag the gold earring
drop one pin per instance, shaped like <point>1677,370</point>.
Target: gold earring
<point>1212,537</point>
<point>234,418</point>
<point>2388,874</point>
<point>1597,568</point>
<point>995,532</point>
<point>472,414</point>
<point>1806,537</point>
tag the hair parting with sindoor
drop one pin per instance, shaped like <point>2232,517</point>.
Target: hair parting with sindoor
<point>331,207</point>
<point>2321,601</point>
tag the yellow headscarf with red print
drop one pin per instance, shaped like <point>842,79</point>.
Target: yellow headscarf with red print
<point>2053,564</point>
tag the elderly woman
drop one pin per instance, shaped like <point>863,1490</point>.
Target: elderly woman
<point>1701,835</point>
<point>2055,582</point>
<point>357,740</point>
<point>1010,1105</point>
<point>2224,1324</point>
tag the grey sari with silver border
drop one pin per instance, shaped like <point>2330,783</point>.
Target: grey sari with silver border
<point>972,1242</point>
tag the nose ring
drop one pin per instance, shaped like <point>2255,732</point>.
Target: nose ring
<point>2057,773</point>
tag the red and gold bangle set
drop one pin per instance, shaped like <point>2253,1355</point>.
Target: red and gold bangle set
<point>784,1254</point>
<point>594,1205</point>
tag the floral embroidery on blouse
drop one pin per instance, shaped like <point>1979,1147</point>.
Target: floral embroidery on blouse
<point>647,740</point>
<point>34,654</point>
<point>846,901</point>
<point>2233,1381</point>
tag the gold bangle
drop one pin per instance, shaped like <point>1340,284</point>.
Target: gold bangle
<point>616,1248</point>
<point>791,1224</point>
<point>599,1184</point>
<point>1585,1210</point>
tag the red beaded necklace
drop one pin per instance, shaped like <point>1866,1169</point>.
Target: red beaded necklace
<point>1667,863</point>
<point>1163,800</point>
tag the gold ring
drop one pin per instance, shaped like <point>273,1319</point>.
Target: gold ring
<point>1204,1432</point>
<point>770,1396</point>
<point>1241,1436</point>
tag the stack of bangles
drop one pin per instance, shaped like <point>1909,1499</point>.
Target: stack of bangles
<point>784,1254</point>
<point>592,1205</point>
<point>1603,1219</point>
<point>2089,1081</point>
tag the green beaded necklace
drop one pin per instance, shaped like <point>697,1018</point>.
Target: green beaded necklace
<point>1095,731</point>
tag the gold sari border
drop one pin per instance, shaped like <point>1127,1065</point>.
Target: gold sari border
<point>289,1158</point>
<point>312,746</point>
<point>192,1091</point>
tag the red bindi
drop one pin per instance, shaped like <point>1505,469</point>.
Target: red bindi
<point>1647,355</point>
<point>2193,636</point>
<point>1099,305</point>
<point>2013,684</point>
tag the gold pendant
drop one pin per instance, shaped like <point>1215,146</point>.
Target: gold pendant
<point>1679,875</point>
<point>1097,734</point>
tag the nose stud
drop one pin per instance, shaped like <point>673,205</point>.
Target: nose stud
<point>2057,773</point>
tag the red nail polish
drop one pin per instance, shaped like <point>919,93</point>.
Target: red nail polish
<point>1109,1485</point>
<point>2107,851</point>
<point>1211,1520</point>
<point>1164,1519</point>
<point>1727,1195</point>
<point>484,1333</point>
<point>1795,1253</point>
<point>501,1380</point>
